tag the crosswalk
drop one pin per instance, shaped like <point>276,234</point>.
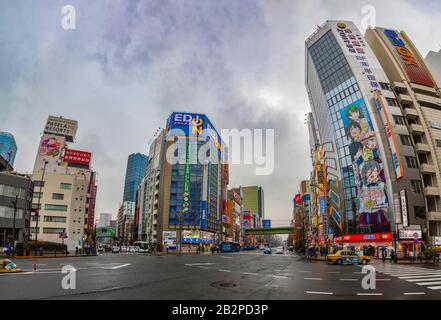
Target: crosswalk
<point>423,277</point>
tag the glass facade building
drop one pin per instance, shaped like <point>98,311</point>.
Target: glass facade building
<point>135,172</point>
<point>8,147</point>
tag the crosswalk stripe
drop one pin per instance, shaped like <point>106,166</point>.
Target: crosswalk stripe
<point>428,283</point>
<point>435,288</point>
<point>419,276</point>
<point>427,279</point>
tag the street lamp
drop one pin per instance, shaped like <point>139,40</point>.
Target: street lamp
<point>13,225</point>
<point>37,212</point>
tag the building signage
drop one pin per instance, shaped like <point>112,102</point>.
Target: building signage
<point>404,208</point>
<point>186,194</point>
<point>435,125</point>
<point>410,234</point>
<point>76,156</point>
<point>438,241</point>
<point>61,127</point>
<point>322,205</point>
<point>298,199</point>
<point>192,124</point>
<point>337,218</point>
<point>398,166</point>
<point>374,237</point>
<point>266,223</point>
<point>414,68</point>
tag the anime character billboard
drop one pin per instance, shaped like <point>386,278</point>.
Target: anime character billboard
<point>368,168</point>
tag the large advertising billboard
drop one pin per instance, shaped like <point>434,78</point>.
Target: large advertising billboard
<point>50,149</point>
<point>412,65</point>
<point>62,127</point>
<point>368,168</point>
<point>77,156</point>
<point>193,125</point>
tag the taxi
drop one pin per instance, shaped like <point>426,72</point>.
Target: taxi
<point>7,266</point>
<point>349,257</point>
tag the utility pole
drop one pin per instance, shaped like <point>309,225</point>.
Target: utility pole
<point>13,225</point>
<point>37,212</point>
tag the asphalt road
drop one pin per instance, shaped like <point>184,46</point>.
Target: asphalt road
<point>245,276</point>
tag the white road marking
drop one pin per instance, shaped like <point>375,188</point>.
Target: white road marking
<point>429,283</point>
<point>435,288</point>
<point>348,279</point>
<point>121,266</point>
<point>419,277</point>
<point>226,257</point>
<point>199,264</point>
<point>316,279</point>
<point>316,292</point>
<point>222,270</point>
<point>419,280</point>
<point>369,294</point>
<point>334,272</point>
<point>304,271</point>
<point>250,273</point>
<point>280,277</point>
<point>413,293</point>
<point>204,267</point>
<point>383,279</point>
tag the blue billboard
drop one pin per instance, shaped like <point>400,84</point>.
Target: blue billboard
<point>193,125</point>
<point>266,223</point>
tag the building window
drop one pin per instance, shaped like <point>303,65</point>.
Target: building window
<point>8,212</point>
<point>399,120</point>
<point>66,186</point>
<point>391,102</point>
<point>54,219</point>
<point>405,140</point>
<point>385,86</point>
<point>55,207</point>
<point>417,187</point>
<point>39,183</point>
<point>12,192</point>
<point>57,196</point>
<point>53,230</point>
<point>438,143</point>
<point>411,162</point>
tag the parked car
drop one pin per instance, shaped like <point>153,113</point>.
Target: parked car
<point>267,250</point>
<point>124,249</point>
<point>100,248</point>
<point>132,249</point>
<point>279,250</point>
<point>349,257</point>
<point>115,249</point>
<point>262,247</point>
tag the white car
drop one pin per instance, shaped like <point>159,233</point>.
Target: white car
<point>124,249</point>
<point>115,249</point>
<point>279,250</point>
<point>132,249</point>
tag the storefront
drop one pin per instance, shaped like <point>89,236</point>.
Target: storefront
<point>370,244</point>
<point>193,239</point>
<point>409,239</point>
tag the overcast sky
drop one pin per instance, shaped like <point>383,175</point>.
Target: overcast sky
<point>130,63</point>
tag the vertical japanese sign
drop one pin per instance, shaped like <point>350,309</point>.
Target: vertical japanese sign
<point>186,195</point>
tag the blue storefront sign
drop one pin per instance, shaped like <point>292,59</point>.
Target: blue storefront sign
<point>266,223</point>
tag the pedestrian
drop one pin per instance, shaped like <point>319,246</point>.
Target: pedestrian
<point>383,255</point>
<point>76,251</point>
<point>412,256</point>
<point>392,256</point>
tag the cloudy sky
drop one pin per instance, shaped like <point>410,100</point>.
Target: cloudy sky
<point>130,63</point>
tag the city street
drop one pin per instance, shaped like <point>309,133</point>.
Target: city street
<point>247,275</point>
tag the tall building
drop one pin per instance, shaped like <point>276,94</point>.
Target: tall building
<point>125,222</point>
<point>253,201</point>
<point>353,106</point>
<point>433,61</point>
<point>420,102</point>
<point>8,147</point>
<point>64,186</point>
<point>15,198</point>
<point>135,172</point>
<point>104,220</point>
<point>183,192</point>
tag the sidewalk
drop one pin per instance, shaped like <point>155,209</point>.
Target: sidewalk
<point>49,256</point>
<point>378,260</point>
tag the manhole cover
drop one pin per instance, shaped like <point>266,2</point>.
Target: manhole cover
<point>223,284</point>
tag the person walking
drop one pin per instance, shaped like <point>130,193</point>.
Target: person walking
<point>392,256</point>
<point>412,256</point>
<point>384,255</point>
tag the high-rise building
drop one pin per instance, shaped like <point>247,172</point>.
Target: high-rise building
<point>253,202</point>
<point>64,185</point>
<point>104,220</point>
<point>15,199</point>
<point>433,61</point>
<point>135,172</point>
<point>8,147</point>
<point>125,222</point>
<point>183,192</point>
<point>353,108</point>
<point>420,102</point>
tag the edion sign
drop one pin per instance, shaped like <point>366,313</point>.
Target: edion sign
<point>76,156</point>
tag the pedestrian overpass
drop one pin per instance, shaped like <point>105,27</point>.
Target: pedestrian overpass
<point>268,231</point>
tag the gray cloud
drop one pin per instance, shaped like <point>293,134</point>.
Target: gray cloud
<point>130,63</point>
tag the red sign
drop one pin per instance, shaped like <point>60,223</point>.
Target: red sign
<point>366,237</point>
<point>298,198</point>
<point>76,156</point>
<point>247,215</point>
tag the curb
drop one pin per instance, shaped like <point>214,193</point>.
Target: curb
<point>48,257</point>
